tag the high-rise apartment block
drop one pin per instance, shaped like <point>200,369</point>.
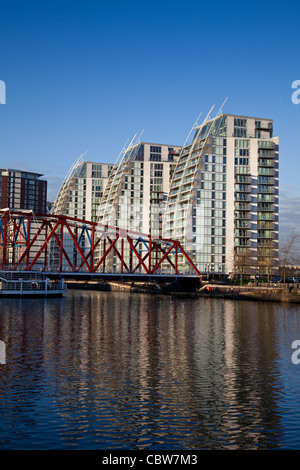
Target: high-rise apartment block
<point>79,197</point>
<point>23,190</point>
<point>138,187</point>
<point>136,193</point>
<point>217,195</point>
<point>81,192</point>
<point>223,200</point>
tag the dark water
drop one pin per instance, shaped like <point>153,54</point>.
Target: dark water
<point>105,370</point>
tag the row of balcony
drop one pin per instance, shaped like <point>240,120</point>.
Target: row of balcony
<point>246,224</point>
<point>261,208</point>
<point>266,153</point>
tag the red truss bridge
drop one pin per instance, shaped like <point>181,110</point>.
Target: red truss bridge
<point>76,248</point>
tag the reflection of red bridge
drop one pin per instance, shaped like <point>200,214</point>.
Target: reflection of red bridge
<point>26,240</point>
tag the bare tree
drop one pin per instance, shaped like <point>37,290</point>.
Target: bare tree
<point>243,262</point>
<point>267,261</point>
<point>288,254</point>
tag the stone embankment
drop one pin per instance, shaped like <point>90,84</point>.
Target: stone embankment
<point>121,286</point>
<point>277,294</point>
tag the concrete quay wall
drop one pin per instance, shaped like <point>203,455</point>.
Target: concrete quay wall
<point>274,294</point>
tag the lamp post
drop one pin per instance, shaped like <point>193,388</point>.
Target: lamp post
<point>257,276</point>
<point>207,270</point>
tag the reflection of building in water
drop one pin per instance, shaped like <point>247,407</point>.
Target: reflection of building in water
<point>218,365</point>
<point>250,416</point>
<point>142,369</point>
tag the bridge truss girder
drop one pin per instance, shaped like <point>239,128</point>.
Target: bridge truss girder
<point>26,240</point>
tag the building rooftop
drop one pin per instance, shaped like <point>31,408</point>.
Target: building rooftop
<point>21,171</point>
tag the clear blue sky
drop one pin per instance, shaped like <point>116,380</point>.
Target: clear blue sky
<point>88,75</point>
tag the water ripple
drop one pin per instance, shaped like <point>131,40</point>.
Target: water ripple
<point>109,370</point>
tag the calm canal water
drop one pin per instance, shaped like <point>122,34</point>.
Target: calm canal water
<point>111,370</point>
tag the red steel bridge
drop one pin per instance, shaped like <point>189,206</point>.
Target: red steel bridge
<point>73,247</point>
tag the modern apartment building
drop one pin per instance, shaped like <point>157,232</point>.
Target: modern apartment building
<point>136,193</point>
<point>79,197</point>
<point>23,190</point>
<point>138,187</point>
<point>80,193</point>
<point>223,200</point>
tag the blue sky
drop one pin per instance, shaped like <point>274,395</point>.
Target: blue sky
<point>88,75</point>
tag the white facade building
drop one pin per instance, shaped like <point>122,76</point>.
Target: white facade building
<point>223,200</point>
<point>136,193</point>
<point>82,190</point>
<point>138,187</point>
<point>79,197</point>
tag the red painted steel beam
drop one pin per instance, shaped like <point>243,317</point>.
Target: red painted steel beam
<point>4,245</point>
<point>188,259</point>
<point>78,247</point>
<point>71,225</point>
<point>106,252</point>
<point>120,256</point>
<point>158,246</point>
<point>44,245</point>
<point>63,252</point>
<point>137,255</point>
<point>163,258</point>
<point>144,259</point>
<point>28,240</point>
<point>28,246</point>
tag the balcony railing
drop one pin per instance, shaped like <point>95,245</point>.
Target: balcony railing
<point>242,188</point>
<point>263,162</point>
<point>268,153</point>
<point>262,144</point>
<point>266,171</point>
<point>266,198</point>
<point>269,180</point>
<point>242,224</point>
<point>239,206</point>
<point>266,225</point>
<point>263,125</point>
<point>243,197</point>
<point>241,215</point>
<point>265,208</point>
<point>242,170</point>
<point>261,234</point>
<point>266,216</point>
<point>243,179</point>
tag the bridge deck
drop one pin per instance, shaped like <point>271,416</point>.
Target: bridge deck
<point>138,277</point>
